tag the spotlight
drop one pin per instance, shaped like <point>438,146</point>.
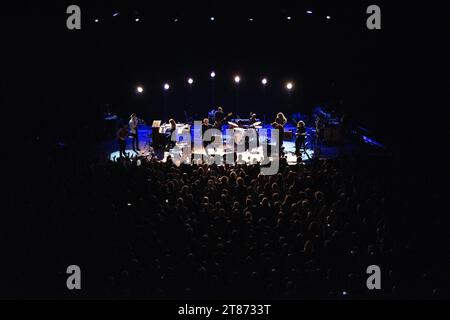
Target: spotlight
<point>190,81</point>
<point>328,18</point>
<point>137,19</point>
<point>309,12</point>
<point>237,79</point>
<point>175,20</point>
<point>264,81</point>
<point>96,20</point>
<point>213,74</point>
<point>115,14</point>
<point>289,18</point>
<point>166,87</point>
<point>212,18</point>
<point>289,86</point>
<point>140,89</point>
<point>250,19</point>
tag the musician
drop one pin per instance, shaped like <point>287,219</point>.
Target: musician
<point>320,126</point>
<point>205,126</point>
<point>133,124</point>
<point>253,121</point>
<point>121,135</point>
<point>300,139</point>
<point>253,118</point>
<point>281,120</point>
<point>279,124</point>
<point>170,131</point>
<point>173,125</point>
<point>220,117</point>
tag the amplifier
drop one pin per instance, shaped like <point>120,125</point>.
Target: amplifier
<point>288,135</point>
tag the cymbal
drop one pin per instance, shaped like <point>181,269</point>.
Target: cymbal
<point>233,124</point>
<point>257,124</point>
<point>258,127</point>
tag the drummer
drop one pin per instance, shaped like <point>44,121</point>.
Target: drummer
<point>170,129</point>
<point>255,124</point>
<point>253,118</point>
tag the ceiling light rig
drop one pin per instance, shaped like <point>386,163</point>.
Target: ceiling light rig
<point>213,19</point>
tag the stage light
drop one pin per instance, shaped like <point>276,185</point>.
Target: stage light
<point>175,20</point>
<point>96,20</point>
<point>289,86</point>
<point>328,17</point>
<point>190,81</point>
<point>289,18</point>
<point>212,18</point>
<point>166,87</point>
<point>309,12</point>
<point>213,74</point>
<point>264,81</point>
<point>137,19</point>
<point>115,14</point>
<point>237,79</point>
<point>250,19</point>
<point>140,89</point>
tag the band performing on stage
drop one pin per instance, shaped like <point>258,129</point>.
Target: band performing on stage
<point>245,134</point>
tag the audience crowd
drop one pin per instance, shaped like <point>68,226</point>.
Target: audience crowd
<point>144,228</point>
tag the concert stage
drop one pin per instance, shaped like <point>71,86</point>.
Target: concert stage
<point>313,149</point>
<point>247,156</point>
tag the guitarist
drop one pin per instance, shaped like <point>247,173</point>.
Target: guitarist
<point>279,124</point>
<point>220,118</point>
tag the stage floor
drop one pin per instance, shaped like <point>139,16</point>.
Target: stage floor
<point>247,156</point>
<point>145,143</point>
<point>313,149</point>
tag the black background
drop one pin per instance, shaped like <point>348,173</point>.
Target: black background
<point>61,80</point>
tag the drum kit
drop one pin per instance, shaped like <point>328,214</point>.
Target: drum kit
<point>256,125</point>
<point>239,130</point>
<point>180,128</point>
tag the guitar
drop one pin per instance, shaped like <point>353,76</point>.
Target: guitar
<point>276,125</point>
<point>218,124</point>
